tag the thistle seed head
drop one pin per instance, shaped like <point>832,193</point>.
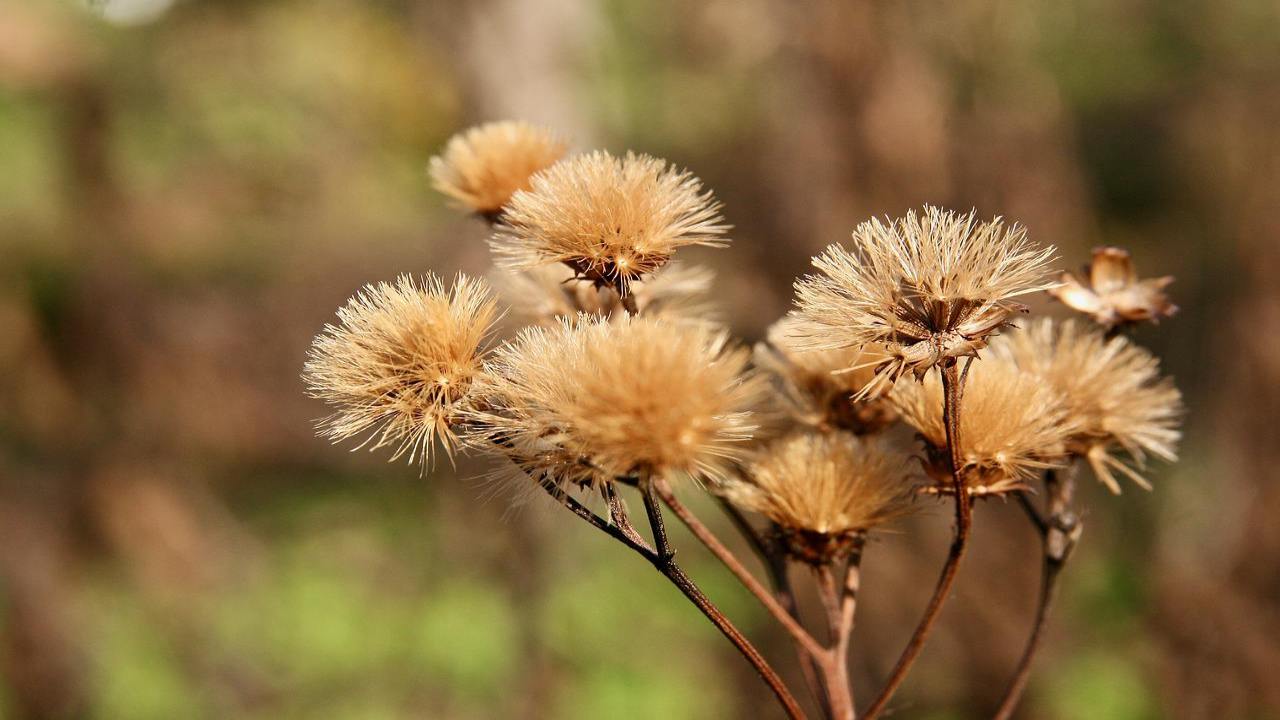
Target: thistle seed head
<point>401,363</point>
<point>1113,388</point>
<point>927,288</point>
<point>611,220</point>
<point>1012,426</point>
<point>592,400</point>
<point>822,489</point>
<point>482,167</point>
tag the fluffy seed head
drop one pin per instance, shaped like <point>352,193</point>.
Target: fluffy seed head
<point>821,489</point>
<point>1112,387</point>
<point>1112,294</point>
<point>548,293</point>
<point>593,399</point>
<point>927,288</point>
<point>402,362</point>
<point>824,388</point>
<point>482,167</point>
<point>1012,426</point>
<point>612,220</point>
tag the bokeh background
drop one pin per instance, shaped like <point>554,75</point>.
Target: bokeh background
<point>188,189</point>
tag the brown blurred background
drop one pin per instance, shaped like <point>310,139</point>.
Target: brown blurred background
<point>188,189</point>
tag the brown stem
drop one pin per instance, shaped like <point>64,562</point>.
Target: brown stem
<point>951,391</point>
<point>664,562</point>
<point>834,664</point>
<point>726,556</point>
<point>775,563</point>
<point>1058,534</point>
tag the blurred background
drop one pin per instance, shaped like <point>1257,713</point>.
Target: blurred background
<point>189,189</point>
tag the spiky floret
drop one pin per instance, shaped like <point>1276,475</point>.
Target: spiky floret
<point>401,362</point>
<point>820,489</point>
<point>1112,387</point>
<point>589,399</point>
<point>482,167</point>
<point>1111,293</point>
<point>547,293</point>
<point>612,220</point>
<point>824,388</point>
<point>1012,426</point>
<point>928,287</point>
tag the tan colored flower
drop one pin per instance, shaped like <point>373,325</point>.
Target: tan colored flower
<point>612,220</point>
<point>482,167</point>
<point>605,399</point>
<point>1112,387</point>
<point>823,388</point>
<point>1012,426</point>
<point>927,288</point>
<point>401,362</point>
<point>547,293</point>
<point>1113,294</point>
<point>823,489</point>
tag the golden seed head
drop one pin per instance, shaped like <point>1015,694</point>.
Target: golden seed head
<point>823,484</point>
<point>1012,426</point>
<point>612,220</point>
<point>617,398</point>
<point>824,388</point>
<point>1112,294</point>
<point>547,293</point>
<point>926,288</point>
<point>402,362</point>
<point>482,167</point>
<point>1112,387</point>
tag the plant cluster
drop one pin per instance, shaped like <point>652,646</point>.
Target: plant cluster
<point>623,382</point>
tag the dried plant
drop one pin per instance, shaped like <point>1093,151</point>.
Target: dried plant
<point>641,395</point>
<point>621,383</point>
<point>1112,293</point>
<point>401,363</point>
<point>1014,427</point>
<point>481,168</point>
<point>927,288</point>
<point>547,293</point>
<point>1110,388</point>
<point>612,220</point>
<point>825,388</point>
<point>822,490</point>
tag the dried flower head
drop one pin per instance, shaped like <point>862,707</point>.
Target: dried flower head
<point>1113,294</point>
<point>593,399</point>
<point>482,167</point>
<point>401,362</point>
<point>824,388</point>
<point>1012,425</point>
<point>1112,387</point>
<point>612,220</point>
<point>822,490</point>
<point>928,288</point>
<point>547,293</point>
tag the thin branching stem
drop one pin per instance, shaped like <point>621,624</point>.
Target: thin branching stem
<point>951,391</point>
<point>665,563</point>
<point>774,559</point>
<point>731,561</point>
<point>619,527</point>
<point>1059,533</point>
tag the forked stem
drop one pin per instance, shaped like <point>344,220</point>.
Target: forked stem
<point>731,561</point>
<point>619,528</point>
<point>775,563</point>
<point>664,561</point>
<point>952,389</point>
